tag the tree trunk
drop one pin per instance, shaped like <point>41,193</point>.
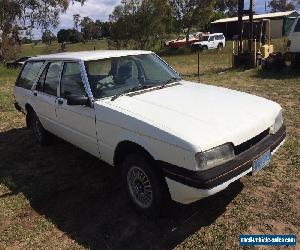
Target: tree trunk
<point>187,37</point>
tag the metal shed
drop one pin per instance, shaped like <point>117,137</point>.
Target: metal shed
<point>280,23</point>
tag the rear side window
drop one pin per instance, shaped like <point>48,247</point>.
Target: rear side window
<point>297,27</point>
<point>29,73</point>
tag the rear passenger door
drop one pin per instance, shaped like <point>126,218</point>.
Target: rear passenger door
<point>25,82</point>
<point>45,96</point>
<point>77,123</point>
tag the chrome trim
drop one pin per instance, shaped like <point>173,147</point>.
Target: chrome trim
<point>86,81</point>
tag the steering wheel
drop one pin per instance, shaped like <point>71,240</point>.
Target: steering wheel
<point>100,86</point>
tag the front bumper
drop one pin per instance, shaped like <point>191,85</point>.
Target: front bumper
<point>211,181</point>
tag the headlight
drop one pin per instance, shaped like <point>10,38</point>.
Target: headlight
<point>277,124</point>
<point>215,156</point>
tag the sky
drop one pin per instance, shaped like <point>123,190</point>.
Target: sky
<point>100,9</point>
<point>95,9</point>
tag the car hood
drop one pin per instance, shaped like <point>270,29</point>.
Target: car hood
<point>203,116</point>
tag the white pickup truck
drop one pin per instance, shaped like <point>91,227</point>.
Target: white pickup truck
<point>169,137</point>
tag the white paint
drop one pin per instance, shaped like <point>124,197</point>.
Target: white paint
<point>90,55</point>
<point>260,16</point>
<point>213,41</point>
<point>185,194</point>
<point>172,124</point>
<point>294,37</point>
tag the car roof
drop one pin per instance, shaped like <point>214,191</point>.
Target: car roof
<point>90,55</point>
<point>213,34</point>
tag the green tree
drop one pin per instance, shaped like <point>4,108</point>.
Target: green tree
<point>283,5</point>
<point>16,15</point>
<point>76,21</point>
<point>69,36</point>
<point>228,7</point>
<point>189,13</point>
<point>139,22</point>
<point>97,29</point>
<point>88,28</point>
<point>75,36</point>
<point>105,29</point>
<point>48,37</point>
<point>63,35</point>
<point>119,35</point>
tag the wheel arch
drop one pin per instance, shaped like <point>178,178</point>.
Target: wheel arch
<point>127,147</point>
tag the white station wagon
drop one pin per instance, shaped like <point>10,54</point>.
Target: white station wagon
<point>169,137</point>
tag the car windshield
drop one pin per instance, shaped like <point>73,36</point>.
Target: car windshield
<point>114,76</point>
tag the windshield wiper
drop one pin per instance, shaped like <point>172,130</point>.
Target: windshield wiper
<point>172,79</point>
<point>136,88</point>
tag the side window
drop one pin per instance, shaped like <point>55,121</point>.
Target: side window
<point>71,81</point>
<point>297,27</point>
<point>29,73</point>
<point>52,78</point>
<point>211,39</point>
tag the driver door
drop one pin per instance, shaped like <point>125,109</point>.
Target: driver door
<point>77,122</point>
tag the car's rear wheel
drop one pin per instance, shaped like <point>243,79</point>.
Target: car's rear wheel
<point>295,62</point>
<point>144,184</point>
<point>40,134</point>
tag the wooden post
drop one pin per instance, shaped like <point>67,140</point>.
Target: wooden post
<point>240,24</point>
<point>251,26</point>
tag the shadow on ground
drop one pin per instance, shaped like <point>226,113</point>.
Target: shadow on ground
<point>84,198</point>
<point>279,74</point>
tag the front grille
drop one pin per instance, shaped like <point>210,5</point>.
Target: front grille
<point>248,144</point>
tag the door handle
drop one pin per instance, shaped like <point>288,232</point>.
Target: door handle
<point>60,101</point>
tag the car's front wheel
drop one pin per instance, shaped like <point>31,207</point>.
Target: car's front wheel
<point>144,184</point>
<point>40,134</point>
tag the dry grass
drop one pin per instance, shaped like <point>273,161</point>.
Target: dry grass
<point>40,48</point>
<point>60,197</point>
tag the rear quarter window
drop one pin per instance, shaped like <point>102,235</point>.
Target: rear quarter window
<point>29,74</point>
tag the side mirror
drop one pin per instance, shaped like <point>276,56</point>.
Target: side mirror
<point>78,100</point>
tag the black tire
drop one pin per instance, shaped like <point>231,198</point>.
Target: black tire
<point>41,136</point>
<point>220,46</point>
<point>145,185</point>
<point>295,62</point>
